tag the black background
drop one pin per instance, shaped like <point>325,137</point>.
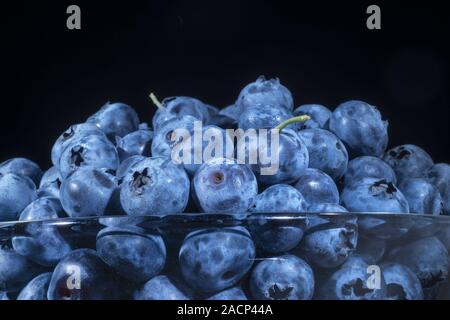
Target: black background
<point>322,51</point>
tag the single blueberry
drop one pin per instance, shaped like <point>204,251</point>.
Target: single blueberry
<point>115,119</point>
<point>215,259</point>
<point>401,282</point>
<point>326,152</point>
<point>319,114</point>
<point>374,195</point>
<point>422,196</point>
<point>260,116</point>
<point>50,183</point>
<point>135,143</point>
<point>326,208</point>
<point>368,167</point>
<point>37,288</point>
<point>16,192</point>
<point>282,278</point>
<point>24,167</point>
<point>132,252</point>
<point>439,175</point>
<point>222,185</point>
<point>234,293</point>
<point>371,249</point>
<point>317,187</point>
<point>88,192</point>
<point>231,112</point>
<point>408,161</point>
<point>154,186</point>
<point>126,165</point>
<point>160,288</point>
<point>361,127</point>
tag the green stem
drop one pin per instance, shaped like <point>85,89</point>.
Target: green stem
<point>284,124</point>
<point>156,101</point>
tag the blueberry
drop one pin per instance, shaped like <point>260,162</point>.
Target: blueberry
<point>401,282</point>
<point>231,112</point>
<point>427,258</point>
<point>328,246</point>
<point>132,252</point>
<point>260,116</point>
<point>115,119</point>
<point>234,293</point>
<point>88,192</point>
<point>37,288</point>
<point>93,150</point>
<point>264,91</point>
<point>373,195</point>
<point>368,167</point>
<point>144,126</point>
<point>360,126</point>
<point>422,196</point>
<point>277,236</point>
<point>42,242</point>
<point>326,152</point>
<point>24,167</point>
<point>16,192</point>
<point>4,295</point>
<point>326,208</point>
<point>135,143</point>
<point>154,186</point>
<point>169,135</point>
<point>176,107</point>
<point>284,162</point>
<point>317,187</point>
<point>222,185</point>
<point>15,270</point>
<point>352,282</point>
<point>215,259</point>
<point>50,183</point>
<point>319,114</point>
<point>408,161</point>
<point>160,288</point>
<point>127,164</point>
<point>282,278</point>
<point>370,249</point>
<point>439,175</point>
<point>71,135</point>
<point>82,275</point>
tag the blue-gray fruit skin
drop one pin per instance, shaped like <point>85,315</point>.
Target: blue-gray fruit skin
<point>160,288</point>
<point>42,242</point>
<point>422,196</point>
<point>166,138</point>
<point>224,186</point>
<point>350,282</point>
<point>154,186</point>
<point>326,152</point>
<point>231,112</point>
<point>93,151</point>
<point>127,164</point>
<point>373,195</point>
<point>427,258</point>
<point>50,183</point>
<point>317,187</point>
<point>360,126</point>
<point>439,175</point>
<point>368,167</point>
<point>320,116</point>
<point>133,253</point>
<point>135,143</point>
<point>212,260</point>
<point>264,91</point>
<point>260,116</point>
<point>115,119</point>
<point>234,293</point>
<point>182,106</point>
<point>290,158</point>
<point>277,236</point>
<point>87,192</point>
<point>408,161</point>
<point>24,167</point>
<point>37,288</point>
<point>282,278</point>
<point>96,281</point>
<point>16,192</point>
<point>16,270</point>
<point>401,282</point>
<point>371,249</point>
<point>72,134</point>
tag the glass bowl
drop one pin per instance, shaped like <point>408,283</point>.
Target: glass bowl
<point>348,256</point>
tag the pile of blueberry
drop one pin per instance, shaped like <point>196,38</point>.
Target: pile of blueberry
<point>284,248</point>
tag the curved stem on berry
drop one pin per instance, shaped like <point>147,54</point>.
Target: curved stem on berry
<point>156,101</point>
<point>284,124</point>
